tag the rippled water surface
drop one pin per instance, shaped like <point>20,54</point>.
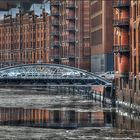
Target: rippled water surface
<point>31,114</point>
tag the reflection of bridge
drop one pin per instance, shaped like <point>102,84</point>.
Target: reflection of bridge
<point>49,74</point>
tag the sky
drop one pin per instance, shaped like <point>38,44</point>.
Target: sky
<point>36,7</point>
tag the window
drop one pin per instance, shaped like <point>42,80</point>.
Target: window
<point>120,83</point>
<point>96,37</point>
<point>134,38</point>
<point>134,13</point>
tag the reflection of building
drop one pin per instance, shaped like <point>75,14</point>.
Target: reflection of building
<point>101,35</point>
<point>54,118</point>
<point>70,36</point>
<point>67,119</point>
<point>24,39</point>
<point>126,49</point>
<point>128,121</point>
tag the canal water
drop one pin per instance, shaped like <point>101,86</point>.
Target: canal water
<point>39,115</point>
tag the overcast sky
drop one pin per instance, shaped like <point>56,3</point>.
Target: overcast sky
<point>36,7</point>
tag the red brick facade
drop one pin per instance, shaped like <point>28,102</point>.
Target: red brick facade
<point>126,50</point>
<point>70,34</point>
<point>24,39</point>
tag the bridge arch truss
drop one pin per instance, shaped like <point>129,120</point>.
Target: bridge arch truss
<point>50,73</point>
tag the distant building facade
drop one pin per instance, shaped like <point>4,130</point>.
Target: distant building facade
<point>101,16</point>
<point>24,39</point>
<point>77,33</point>
<point>70,33</point>
<point>127,50</point>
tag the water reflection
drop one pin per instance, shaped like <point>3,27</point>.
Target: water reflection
<point>67,118</point>
<point>55,118</point>
<point>127,120</point>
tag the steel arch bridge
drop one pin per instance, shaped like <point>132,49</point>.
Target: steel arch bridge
<point>48,74</point>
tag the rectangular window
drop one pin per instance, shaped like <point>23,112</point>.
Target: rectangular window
<point>97,21</point>
<point>96,37</point>
<point>120,83</point>
<point>134,13</point>
<point>96,7</point>
<point>130,84</point>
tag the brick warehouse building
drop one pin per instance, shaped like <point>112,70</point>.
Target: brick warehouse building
<point>126,50</point>
<point>75,34</point>
<point>101,35</point>
<point>24,39</point>
<point>70,33</point>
